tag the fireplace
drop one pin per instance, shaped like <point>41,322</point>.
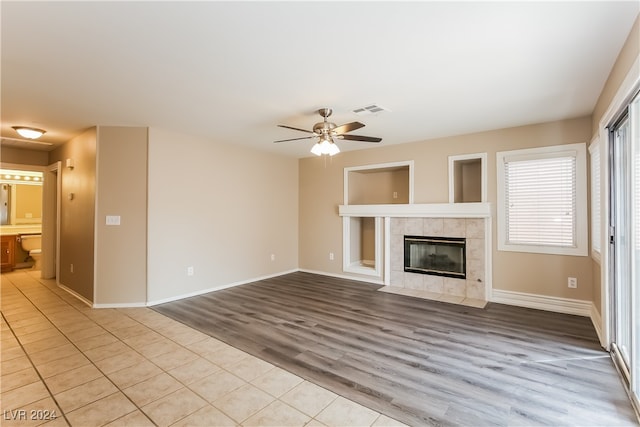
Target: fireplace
<point>440,256</point>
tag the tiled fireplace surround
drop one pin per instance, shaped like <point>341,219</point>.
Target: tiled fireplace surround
<point>473,229</point>
<point>469,220</point>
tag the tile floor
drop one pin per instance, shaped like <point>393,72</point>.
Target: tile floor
<point>63,363</point>
<point>452,299</point>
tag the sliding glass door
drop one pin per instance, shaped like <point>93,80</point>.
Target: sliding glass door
<point>624,248</point>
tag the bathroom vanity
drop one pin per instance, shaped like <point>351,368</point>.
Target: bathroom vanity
<point>10,238</point>
<point>8,245</point>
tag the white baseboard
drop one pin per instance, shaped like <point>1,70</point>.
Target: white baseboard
<point>596,319</point>
<point>75,294</point>
<point>542,302</point>
<point>217,288</point>
<point>121,305</point>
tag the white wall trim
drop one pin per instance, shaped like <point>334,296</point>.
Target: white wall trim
<point>429,210</point>
<point>542,302</point>
<point>121,305</point>
<point>217,288</point>
<point>75,294</point>
<point>596,319</point>
<point>594,147</point>
<point>52,189</point>
<point>387,250</point>
<point>488,259</point>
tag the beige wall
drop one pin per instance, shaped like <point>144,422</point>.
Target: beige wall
<point>368,239</point>
<point>626,58</point>
<point>220,208</point>
<point>321,191</point>
<point>372,188</point>
<point>77,214</point>
<point>24,157</point>
<point>468,181</point>
<point>121,251</point>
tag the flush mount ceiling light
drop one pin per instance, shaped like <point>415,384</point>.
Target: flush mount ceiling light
<point>28,132</point>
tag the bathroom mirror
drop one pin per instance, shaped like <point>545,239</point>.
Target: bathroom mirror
<point>20,197</point>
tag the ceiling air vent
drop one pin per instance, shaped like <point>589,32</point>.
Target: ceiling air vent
<point>370,109</point>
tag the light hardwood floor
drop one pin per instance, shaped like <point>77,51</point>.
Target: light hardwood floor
<point>418,361</point>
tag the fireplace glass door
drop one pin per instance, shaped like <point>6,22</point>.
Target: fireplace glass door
<point>435,255</point>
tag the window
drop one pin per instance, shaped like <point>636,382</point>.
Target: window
<point>596,245</point>
<point>542,200</point>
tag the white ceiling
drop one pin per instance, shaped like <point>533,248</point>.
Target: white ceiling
<point>232,71</point>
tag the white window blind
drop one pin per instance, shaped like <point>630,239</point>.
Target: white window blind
<point>596,245</point>
<point>541,201</point>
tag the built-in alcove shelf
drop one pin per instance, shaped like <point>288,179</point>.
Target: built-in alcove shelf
<point>379,197</point>
<point>468,178</point>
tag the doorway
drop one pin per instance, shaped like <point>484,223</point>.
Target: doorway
<point>624,242</point>
<point>21,211</point>
<point>50,221</point>
<point>50,228</point>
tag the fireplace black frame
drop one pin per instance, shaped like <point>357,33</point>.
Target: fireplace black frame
<point>460,242</point>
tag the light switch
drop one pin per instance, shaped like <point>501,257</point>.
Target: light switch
<point>113,219</point>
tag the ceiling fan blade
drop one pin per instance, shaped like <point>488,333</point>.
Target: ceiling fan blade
<point>291,127</point>
<point>295,139</point>
<point>360,138</point>
<point>348,127</point>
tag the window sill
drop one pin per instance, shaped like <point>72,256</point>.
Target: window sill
<point>547,250</point>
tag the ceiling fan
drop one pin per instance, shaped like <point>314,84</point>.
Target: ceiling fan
<point>326,131</point>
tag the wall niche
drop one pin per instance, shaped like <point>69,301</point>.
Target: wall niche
<point>378,184</point>
<point>468,178</point>
<point>381,184</point>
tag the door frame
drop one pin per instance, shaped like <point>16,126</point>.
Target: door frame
<point>628,88</point>
<point>625,92</point>
<point>615,235</point>
<point>52,189</point>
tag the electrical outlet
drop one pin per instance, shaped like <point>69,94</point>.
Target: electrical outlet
<point>395,194</point>
<point>330,256</point>
<point>113,220</point>
<point>273,257</point>
<point>572,282</point>
<point>190,271</point>
<point>71,267</point>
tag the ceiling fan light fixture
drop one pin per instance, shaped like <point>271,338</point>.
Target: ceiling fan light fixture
<point>317,149</point>
<point>325,146</point>
<point>326,131</point>
<point>333,149</point>
<point>28,132</point>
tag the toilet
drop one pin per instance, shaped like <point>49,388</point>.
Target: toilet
<point>32,243</point>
